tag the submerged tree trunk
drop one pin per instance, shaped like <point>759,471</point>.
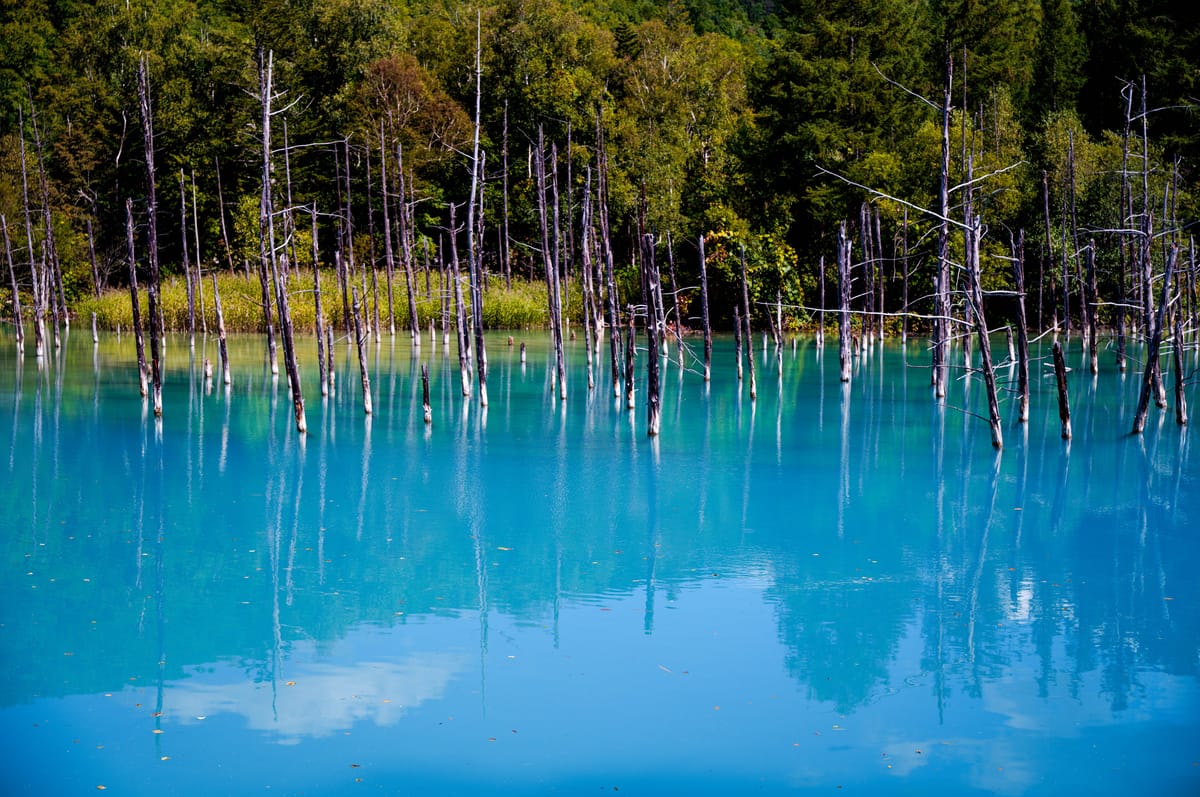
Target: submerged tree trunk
<point>156,331</point>
<point>1093,302</point>
<point>1022,330</point>
<point>318,313</point>
<point>1060,378</point>
<point>187,266</point>
<point>39,311</point>
<point>389,258</point>
<point>134,302</point>
<point>941,324</point>
<point>749,335</point>
<point>550,266</point>
<point>844,343</point>
<point>629,394</point>
<point>653,399</point>
<point>1152,347</point>
<point>16,296</point>
<point>460,329</point>
<point>427,410</point>
<point>610,285</point>
<point>981,332</point>
<point>737,340</point>
<point>1181,409</point>
<point>704,317</point>
<point>266,226</point>
<point>473,244</point>
<point>359,344</point>
<point>225,376</point>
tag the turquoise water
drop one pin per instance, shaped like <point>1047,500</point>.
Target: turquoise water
<point>826,590</point>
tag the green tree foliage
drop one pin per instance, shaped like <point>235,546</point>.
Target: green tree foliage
<point>724,116</point>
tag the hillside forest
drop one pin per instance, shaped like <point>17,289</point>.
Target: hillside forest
<point>539,136</point>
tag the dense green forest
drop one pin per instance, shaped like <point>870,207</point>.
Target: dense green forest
<point>749,121</point>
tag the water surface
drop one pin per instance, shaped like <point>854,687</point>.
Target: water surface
<point>827,590</point>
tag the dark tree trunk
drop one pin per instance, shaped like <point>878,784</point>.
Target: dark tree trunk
<point>746,319</point>
<point>844,342</point>
<point>225,375</point>
<point>1060,378</point>
<point>187,265</point>
<point>460,326</point>
<point>16,296</point>
<point>359,344</point>
<point>318,313</point>
<point>981,332</point>
<point>704,316</point>
<point>1156,329</point>
<point>1022,330</point>
<point>653,398</point>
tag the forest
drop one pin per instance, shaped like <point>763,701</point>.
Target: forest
<point>762,126</point>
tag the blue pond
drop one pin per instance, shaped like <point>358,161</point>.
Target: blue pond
<point>827,590</point>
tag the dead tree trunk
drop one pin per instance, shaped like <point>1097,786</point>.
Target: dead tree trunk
<point>549,265</point>
<point>92,257</point>
<point>266,226</point>
<point>58,296</point>
<point>330,370</point>
<point>35,273</point>
<point>1181,410</point>
<point>427,409</point>
<point>737,340</point>
<point>941,343</point>
<point>981,332</point>
<point>225,375</point>
<point>403,222</point>
<point>187,265</point>
<point>1152,347</point>
<point>134,302</point>
<point>199,268</point>
<point>16,296</point>
<point>388,251</point>
<point>156,331</point>
<point>1022,330</point>
<point>629,394</point>
<point>614,340</point>
<point>557,315</point>
<point>904,283</point>
<point>460,327</point>
<point>473,244</point>
<point>1060,378</point>
<point>704,317</point>
<point>586,278</point>
<point>359,344</point>
<point>505,254</point>
<point>272,355</point>
<point>1092,309</point>
<point>650,279</point>
<point>318,313</point>
<point>749,335</point>
<point>844,342</point>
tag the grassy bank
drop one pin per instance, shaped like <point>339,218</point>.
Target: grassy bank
<point>522,306</point>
